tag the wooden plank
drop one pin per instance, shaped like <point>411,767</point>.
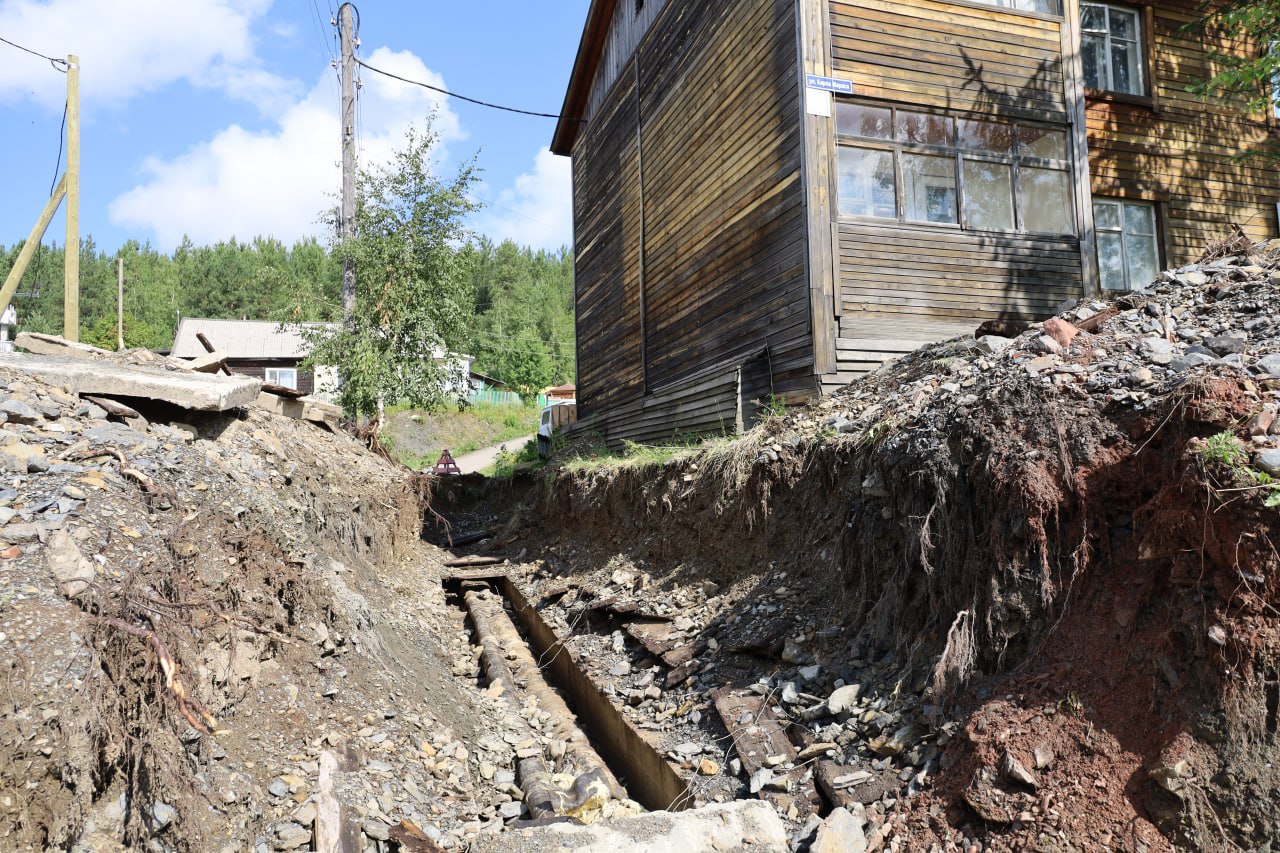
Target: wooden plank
<point>759,740</point>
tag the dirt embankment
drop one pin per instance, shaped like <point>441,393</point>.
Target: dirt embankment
<point>195,610</point>
<point>1054,553</point>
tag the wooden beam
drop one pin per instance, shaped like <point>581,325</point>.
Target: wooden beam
<point>29,247</point>
<point>71,252</point>
<point>1073,83</point>
<point>813,23</point>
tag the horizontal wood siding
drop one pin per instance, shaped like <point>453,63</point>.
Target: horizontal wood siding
<point>724,203</point>
<point>954,275</point>
<point>941,54</point>
<point>1183,151</point>
<point>708,404</point>
<point>606,261</point>
<point>257,367</point>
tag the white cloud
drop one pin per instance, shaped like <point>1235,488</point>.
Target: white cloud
<point>129,47</point>
<point>277,182</point>
<point>537,211</point>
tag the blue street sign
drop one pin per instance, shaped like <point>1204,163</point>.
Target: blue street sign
<point>829,84</point>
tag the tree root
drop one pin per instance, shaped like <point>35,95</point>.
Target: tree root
<point>195,714</point>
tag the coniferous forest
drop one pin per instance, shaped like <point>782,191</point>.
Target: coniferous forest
<point>521,311</point>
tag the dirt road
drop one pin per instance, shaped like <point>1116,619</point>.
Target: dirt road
<point>477,460</point>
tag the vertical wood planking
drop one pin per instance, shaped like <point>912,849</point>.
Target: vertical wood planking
<point>818,155</point>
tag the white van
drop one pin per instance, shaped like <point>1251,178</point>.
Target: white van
<point>555,416</point>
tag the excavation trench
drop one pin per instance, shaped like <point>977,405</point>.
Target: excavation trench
<point>605,755</point>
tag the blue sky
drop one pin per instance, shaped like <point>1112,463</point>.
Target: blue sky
<point>219,118</point>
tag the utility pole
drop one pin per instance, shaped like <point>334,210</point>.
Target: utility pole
<point>120,304</point>
<point>347,229</point>
<point>71,254</point>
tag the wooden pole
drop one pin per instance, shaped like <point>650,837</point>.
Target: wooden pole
<point>347,226</point>
<point>120,304</point>
<point>71,252</point>
<point>29,247</point>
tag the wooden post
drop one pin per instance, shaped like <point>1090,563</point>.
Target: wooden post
<point>71,253</point>
<point>347,225</point>
<point>29,247</point>
<point>120,304</point>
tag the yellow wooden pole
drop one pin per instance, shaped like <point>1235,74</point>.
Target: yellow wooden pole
<point>29,247</point>
<point>71,284</point>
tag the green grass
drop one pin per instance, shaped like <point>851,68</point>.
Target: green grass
<point>416,438</point>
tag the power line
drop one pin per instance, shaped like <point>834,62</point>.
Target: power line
<point>57,164</point>
<point>476,101</point>
<point>52,61</point>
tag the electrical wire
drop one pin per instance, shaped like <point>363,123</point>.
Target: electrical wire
<point>62,133</point>
<point>475,101</point>
<point>52,61</point>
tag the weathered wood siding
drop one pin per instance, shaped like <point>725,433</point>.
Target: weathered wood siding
<point>257,367</point>
<point>915,269</point>
<point>689,216</point>
<point>969,61</point>
<point>625,32</point>
<point>724,207</point>
<point>940,54</point>
<point>1182,150</point>
<point>606,203</point>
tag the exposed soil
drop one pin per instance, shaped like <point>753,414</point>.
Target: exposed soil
<point>1005,594</point>
<point>1030,558</point>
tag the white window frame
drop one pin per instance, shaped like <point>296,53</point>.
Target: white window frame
<point>279,373</point>
<point>1123,231</point>
<point>1140,48</point>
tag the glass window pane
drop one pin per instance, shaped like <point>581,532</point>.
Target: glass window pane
<point>1140,251</point>
<point>1124,68</point>
<point>1093,17</point>
<point>1093,53</point>
<point>1046,204</point>
<point>1140,219</point>
<point>1124,24</point>
<point>1111,260</point>
<point>1048,7</point>
<point>1106,215</point>
<point>929,188</point>
<point>988,195</point>
<point>865,182</point>
<point>1040,142</point>
<point>925,129</point>
<point>985,136</point>
<point>858,120</point>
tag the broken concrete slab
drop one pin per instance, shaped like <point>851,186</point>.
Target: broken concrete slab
<point>199,391</point>
<point>301,409</point>
<point>744,825</point>
<point>53,345</point>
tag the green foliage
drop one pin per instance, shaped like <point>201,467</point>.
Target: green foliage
<point>507,463</point>
<point>260,280</point>
<point>415,437</point>
<point>523,331</point>
<point>1244,70</point>
<point>1223,448</point>
<point>413,300</point>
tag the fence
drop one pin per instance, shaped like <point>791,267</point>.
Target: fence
<point>490,397</point>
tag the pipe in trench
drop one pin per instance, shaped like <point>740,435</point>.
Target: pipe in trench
<point>507,660</point>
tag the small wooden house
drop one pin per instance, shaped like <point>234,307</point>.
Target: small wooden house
<point>772,197</point>
<point>254,348</point>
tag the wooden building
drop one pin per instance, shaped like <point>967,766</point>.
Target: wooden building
<point>254,347</point>
<point>772,197</point>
